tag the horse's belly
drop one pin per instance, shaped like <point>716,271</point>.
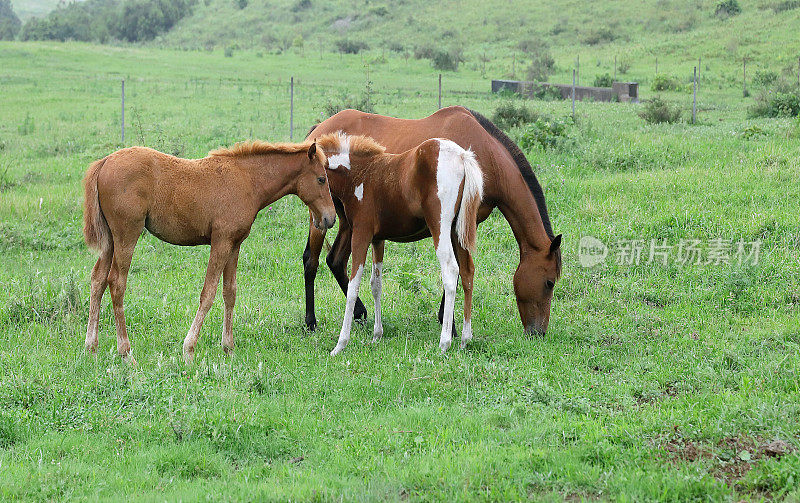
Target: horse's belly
<point>178,231</point>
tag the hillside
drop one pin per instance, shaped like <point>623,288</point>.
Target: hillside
<point>27,9</point>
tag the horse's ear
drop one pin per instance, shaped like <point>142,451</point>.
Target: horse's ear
<point>555,244</point>
<point>312,150</point>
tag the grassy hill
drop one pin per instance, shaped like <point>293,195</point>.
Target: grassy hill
<point>27,9</point>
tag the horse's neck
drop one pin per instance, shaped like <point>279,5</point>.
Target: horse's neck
<point>272,175</point>
<point>519,208</point>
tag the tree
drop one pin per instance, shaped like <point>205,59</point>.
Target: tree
<point>9,22</point>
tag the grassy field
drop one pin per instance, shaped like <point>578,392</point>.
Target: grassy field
<point>654,382</point>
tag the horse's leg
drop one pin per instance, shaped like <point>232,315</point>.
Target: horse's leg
<point>466,269</point>
<point>220,251</point>
<point>447,262</point>
<point>360,244</point>
<point>117,282</point>
<point>229,295</point>
<point>316,238</point>
<point>337,262</point>
<point>375,284</point>
<point>454,239</point>
<point>99,283</point>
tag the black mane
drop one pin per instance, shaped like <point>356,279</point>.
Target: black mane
<point>523,165</point>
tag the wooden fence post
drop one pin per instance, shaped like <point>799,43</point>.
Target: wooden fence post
<point>573,94</point>
<point>440,91</point>
<point>615,68</point>
<point>291,108</point>
<point>123,111</point>
<point>744,77</point>
<point>694,97</point>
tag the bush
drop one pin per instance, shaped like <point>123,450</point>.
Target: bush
<point>547,93</point>
<point>423,51</point>
<point>765,78</point>
<point>623,66</point>
<point>343,101</point>
<point>9,22</point>
<point>508,115</point>
<point>228,51</point>
<point>443,59</point>
<point>786,5</point>
<point>664,83</point>
<point>776,104</point>
<point>346,46</point>
<point>544,133</point>
<point>241,4</point>
<point>604,80</point>
<point>727,8</point>
<point>542,65</point>
<point>657,111</point>
<point>599,36</point>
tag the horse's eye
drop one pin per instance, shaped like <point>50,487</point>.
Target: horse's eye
<point>321,180</point>
<point>550,284</point>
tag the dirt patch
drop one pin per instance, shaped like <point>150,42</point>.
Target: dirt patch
<point>729,459</point>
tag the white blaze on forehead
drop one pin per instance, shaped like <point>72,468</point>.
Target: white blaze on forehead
<point>343,157</point>
<point>359,192</point>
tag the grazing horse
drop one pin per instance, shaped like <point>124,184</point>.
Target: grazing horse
<point>432,189</point>
<point>189,202</point>
<point>509,184</point>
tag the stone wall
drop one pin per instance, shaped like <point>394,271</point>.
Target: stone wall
<point>619,91</point>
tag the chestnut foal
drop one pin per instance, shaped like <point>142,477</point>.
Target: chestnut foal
<point>433,189</point>
<point>190,202</point>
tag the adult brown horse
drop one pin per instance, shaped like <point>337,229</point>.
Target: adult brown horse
<point>210,201</point>
<point>434,188</point>
<point>509,184</point>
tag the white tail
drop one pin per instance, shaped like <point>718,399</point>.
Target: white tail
<point>467,222</point>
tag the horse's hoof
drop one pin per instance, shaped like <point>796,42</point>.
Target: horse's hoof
<point>338,349</point>
<point>311,324</point>
<point>90,349</point>
<point>130,360</point>
<point>228,350</point>
<point>377,337</point>
<point>188,358</point>
<point>444,346</point>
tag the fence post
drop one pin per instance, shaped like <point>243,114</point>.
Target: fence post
<point>514,66</point>
<point>573,94</point>
<point>291,109</point>
<point>699,60</point>
<point>798,72</point>
<point>656,65</point>
<point>694,97</point>
<point>440,92</point>
<point>578,69</point>
<point>615,68</point>
<point>744,77</point>
<point>123,112</point>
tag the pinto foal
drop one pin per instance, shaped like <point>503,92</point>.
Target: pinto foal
<point>434,189</point>
<point>189,202</point>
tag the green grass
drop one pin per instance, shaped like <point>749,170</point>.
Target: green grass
<point>652,383</point>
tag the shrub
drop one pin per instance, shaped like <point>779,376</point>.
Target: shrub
<point>542,65</point>
<point>343,101</point>
<point>241,4</point>
<point>443,59</point>
<point>604,80</point>
<point>727,8</point>
<point>347,46</point>
<point>599,36</point>
<point>9,22</point>
<point>664,83</point>
<point>228,51</point>
<point>543,133</point>
<point>657,111</point>
<point>765,78</point>
<point>547,93</point>
<point>623,66</point>
<point>508,115</point>
<point>776,104</point>
<point>302,5</point>
<point>786,5</point>
<point>423,51</point>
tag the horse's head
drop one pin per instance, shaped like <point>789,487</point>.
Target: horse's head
<point>313,190</point>
<point>534,280</point>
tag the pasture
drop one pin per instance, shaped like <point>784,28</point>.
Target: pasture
<point>655,381</point>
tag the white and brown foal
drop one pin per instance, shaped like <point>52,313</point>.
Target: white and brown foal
<point>433,189</point>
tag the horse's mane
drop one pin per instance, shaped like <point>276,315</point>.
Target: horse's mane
<point>340,142</point>
<point>523,165</point>
<point>526,171</point>
<point>259,147</point>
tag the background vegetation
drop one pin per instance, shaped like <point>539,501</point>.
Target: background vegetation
<point>654,382</point>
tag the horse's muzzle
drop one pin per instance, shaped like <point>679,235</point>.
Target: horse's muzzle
<point>326,223</point>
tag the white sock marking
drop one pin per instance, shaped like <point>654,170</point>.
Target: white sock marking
<point>347,324</point>
<point>359,192</point>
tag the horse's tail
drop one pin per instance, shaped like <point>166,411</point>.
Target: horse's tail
<point>467,221</point>
<point>96,232</point>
